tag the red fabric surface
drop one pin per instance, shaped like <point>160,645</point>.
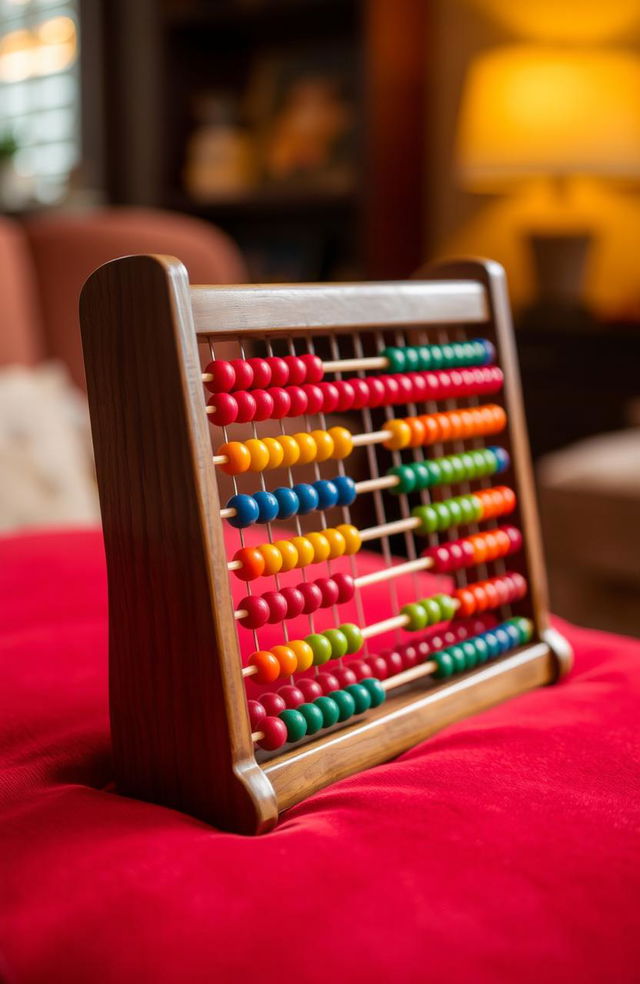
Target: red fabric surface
<point>504,849</point>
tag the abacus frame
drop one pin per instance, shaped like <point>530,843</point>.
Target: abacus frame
<point>180,728</point>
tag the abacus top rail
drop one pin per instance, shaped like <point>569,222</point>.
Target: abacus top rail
<point>275,309</point>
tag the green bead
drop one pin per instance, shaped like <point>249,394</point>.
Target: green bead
<point>396,358</point>
<point>411,359</point>
<point>437,361</point>
<point>435,472</point>
<point>447,606</point>
<point>457,468</point>
<point>479,353</point>
<point>446,471</point>
<point>338,641</point>
<point>428,519</point>
<point>482,650</point>
<point>321,647</point>
<point>424,354</point>
<point>459,660</point>
<point>353,635</point>
<point>418,618</point>
<point>421,474</point>
<point>441,509</point>
<point>470,654</point>
<point>296,724</point>
<point>468,464</point>
<point>329,710</point>
<point>471,354</point>
<point>432,610</point>
<point>448,355</point>
<point>477,507</point>
<point>444,663</point>
<point>313,716</point>
<point>345,702</point>
<point>525,628</point>
<point>360,696</point>
<point>406,479</point>
<point>375,690</point>
<point>455,513</point>
<point>467,509</point>
<point>480,463</point>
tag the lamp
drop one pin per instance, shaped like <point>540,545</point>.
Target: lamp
<point>530,111</point>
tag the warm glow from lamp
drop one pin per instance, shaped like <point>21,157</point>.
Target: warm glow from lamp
<point>590,21</point>
<point>532,111</point>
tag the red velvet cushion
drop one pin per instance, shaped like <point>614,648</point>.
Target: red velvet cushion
<point>504,849</point>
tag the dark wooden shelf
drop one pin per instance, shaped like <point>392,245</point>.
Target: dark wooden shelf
<point>232,14</point>
<point>268,202</point>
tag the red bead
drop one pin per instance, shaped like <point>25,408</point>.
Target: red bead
<point>394,661</point>
<point>376,391</point>
<point>292,696</point>
<point>391,390</point>
<point>345,676</point>
<point>224,376</point>
<point>328,682</point>
<point>257,612</point>
<point>244,374</point>
<point>315,397</point>
<point>346,587</point>
<point>314,367</point>
<point>277,606</point>
<point>246,406</point>
<point>294,600</point>
<point>424,649</point>
<point>264,404</point>
<point>441,557</point>
<point>310,688</point>
<point>461,632</point>
<point>437,643</point>
<point>275,734</point>
<point>419,388</point>
<point>312,596</point>
<point>361,393</point>
<point>410,656</point>
<point>226,409</point>
<point>492,594</point>
<point>279,371</point>
<point>361,669</point>
<point>378,667</point>
<point>346,395</point>
<point>257,714</point>
<point>299,401</point>
<point>515,536</point>
<point>330,396</point>
<point>503,589</point>
<point>273,703</point>
<point>450,638</point>
<point>435,385</point>
<point>329,591</point>
<point>281,402</point>
<point>519,586</point>
<point>405,388</point>
<point>261,372</point>
<point>297,370</point>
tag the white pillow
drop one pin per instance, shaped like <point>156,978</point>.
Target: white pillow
<point>46,464</point>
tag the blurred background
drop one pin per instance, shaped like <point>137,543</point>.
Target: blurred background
<point>288,140</point>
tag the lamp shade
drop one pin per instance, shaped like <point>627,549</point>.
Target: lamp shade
<point>531,111</point>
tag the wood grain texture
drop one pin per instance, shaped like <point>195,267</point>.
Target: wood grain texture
<point>178,713</point>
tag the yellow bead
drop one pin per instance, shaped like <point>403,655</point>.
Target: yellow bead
<point>307,445</point>
<point>239,457</point>
<point>272,558</point>
<point>290,450</point>
<point>304,654</point>
<point>288,553</point>
<point>400,435</point>
<point>351,538</point>
<point>259,454</point>
<point>276,451</point>
<point>337,543</point>
<point>321,547</point>
<point>305,550</point>
<point>324,444</point>
<point>342,442</point>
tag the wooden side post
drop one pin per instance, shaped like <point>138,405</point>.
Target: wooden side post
<point>180,728</point>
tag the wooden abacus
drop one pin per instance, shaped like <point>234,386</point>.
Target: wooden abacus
<point>167,416</point>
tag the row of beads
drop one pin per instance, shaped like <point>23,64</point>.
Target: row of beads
<point>299,655</point>
<point>342,395</point>
<point>492,593</point>
<point>477,650</point>
<point>262,454</point>
<point>390,662</point>
<point>294,723</point>
<point>428,611</point>
<point>300,551</point>
<point>479,548</point>
<point>477,352</point>
<point>464,467</point>
<point>450,425</point>
<point>284,502</point>
<point>463,509</point>
<point>274,607</point>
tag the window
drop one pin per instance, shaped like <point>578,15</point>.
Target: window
<point>39,94</point>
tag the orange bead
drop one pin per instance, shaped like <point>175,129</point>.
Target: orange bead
<point>286,658</point>
<point>499,418</point>
<point>239,457</point>
<point>272,558</point>
<point>508,499</point>
<point>480,596</point>
<point>468,423</point>
<point>479,549</point>
<point>418,432</point>
<point>455,422</point>
<point>432,429</point>
<point>290,450</point>
<point>276,451</point>
<point>351,538</point>
<point>467,602</point>
<point>303,653</point>
<point>307,446</point>
<point>492,547</point>
<point>305,550</point>
<point>252,563</point>
<point>288,553</point>
<point>400,435</point>
<point>342,442</point>
<point>485,420</point>
<point>337,543</point>
<point>267,664</point>
<point>321,547</point>
<point>502,543</point>
<point>324,444</point>
<point>444,426</point>
<point>259,454</point>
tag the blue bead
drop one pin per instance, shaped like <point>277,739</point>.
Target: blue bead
<point>247,511</point>
<point>346,489</point>
<point>513,633</point>
<point>489,350</point>
<point>327,492</point>
<point>502,458</point>
<point>267,505</point>
<point>503,639</point>
<point>307,497</point>
<point>288,504</point>
<point>493,645</point>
